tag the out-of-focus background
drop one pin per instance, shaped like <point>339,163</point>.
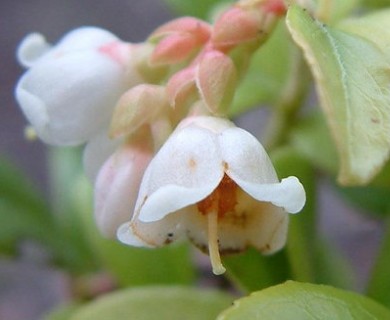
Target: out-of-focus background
<point>28,288</point>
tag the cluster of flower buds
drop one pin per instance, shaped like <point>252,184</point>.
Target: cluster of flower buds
<point>165,161</point>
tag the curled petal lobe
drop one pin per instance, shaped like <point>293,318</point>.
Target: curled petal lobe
<point>31,49</point>
<point>288,194</point>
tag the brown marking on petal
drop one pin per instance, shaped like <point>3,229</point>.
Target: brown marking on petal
<point>225,166</point>
<point>375,120</point>
<point>134,229</point>
<point>223,251</point>
<point>192,163</point>
<point>238,219</point>
<point>226,196</point>
<point>267,247</point>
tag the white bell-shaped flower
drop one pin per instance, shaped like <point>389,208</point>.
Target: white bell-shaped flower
<point>70,90</point>
<point>214,184</point>
<point>118,182</point>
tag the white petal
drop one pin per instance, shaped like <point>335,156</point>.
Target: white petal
<point>85,38</point>
<point>71,98</point>
<point>255,223</point>
<point>97,151</point>
<point>126,235</point>
<point>246,158</point>
<point>213,124</point>
<point>155,234</point>
<point>116,188</point>
<point>31,49</point>
<point>186,169</point>
<point>288,194</point>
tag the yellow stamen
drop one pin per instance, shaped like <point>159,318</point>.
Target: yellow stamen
<point>30,134</point>
<point>215,258</point>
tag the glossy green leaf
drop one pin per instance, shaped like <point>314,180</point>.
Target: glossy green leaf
<point>304,301</point>
<point>352,77</point>
<point>266,74</point>
<point>308,135</point>
<point>156,303</point>
<point>129,265</point>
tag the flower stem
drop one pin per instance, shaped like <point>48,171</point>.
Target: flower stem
<point>215,258</point>
<point>291,100</point>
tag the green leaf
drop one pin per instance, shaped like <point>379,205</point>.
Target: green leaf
<point>307,135</point>
<point>304,301</point>
<point>159,303</point>
<point>23,211</point>
<point>266,74</point>
<point>374,27</point>
<point>129,265</point>
<point>200,8</point>
<point>352,77</point>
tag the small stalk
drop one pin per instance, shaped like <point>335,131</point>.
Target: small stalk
<point>290,102</point>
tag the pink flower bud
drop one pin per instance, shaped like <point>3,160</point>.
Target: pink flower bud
<point>181,87</point>
<point>195,27</point>
<point>138,106</point>
<point>249,20</point>
<point>178,39</point>
<point>174,48</point>
<point>216,80</point>
<point>235,26</point>
<point>117,185</point>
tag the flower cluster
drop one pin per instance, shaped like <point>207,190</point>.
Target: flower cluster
<point>166,162</point>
